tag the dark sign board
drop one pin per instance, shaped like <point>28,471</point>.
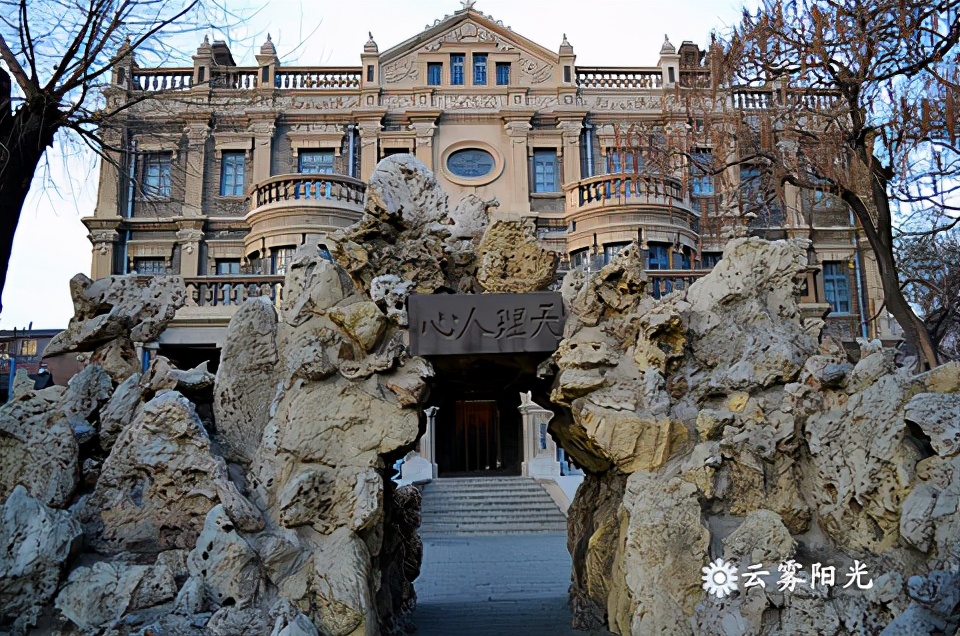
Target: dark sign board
<point>457,324</point>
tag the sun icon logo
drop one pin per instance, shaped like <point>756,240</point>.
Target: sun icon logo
<point>719,578</point>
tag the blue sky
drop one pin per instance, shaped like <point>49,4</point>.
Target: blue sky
<point>51,244</point>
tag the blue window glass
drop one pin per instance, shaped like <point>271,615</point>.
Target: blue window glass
<point>836,287</point>
<point>623,162</point>
<point>456,69</point>
<point>434,73</point>
<point>316,162</point>
<point>709,261</point>
<point>156,175</point>
<point>658,257</point>
<point>503,73</point>
<point>470,163</point>
<point>150,266</point>
<point>232,173</point>
<point>544,170</point>
<point>480,69</point>
<point>701,182</point>
<point>612,249</point>
<point>280,259</point>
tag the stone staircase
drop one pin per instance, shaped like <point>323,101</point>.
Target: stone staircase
<point>488,505</point>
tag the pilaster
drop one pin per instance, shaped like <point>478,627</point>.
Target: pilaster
<point>570,129</point>
<point>518,129</point>
<point>104,240</point>
<point>262,149</point>
<point>425,131</point>
<point>197,133</point>
<point>369,135</point>
<point>188,237</point>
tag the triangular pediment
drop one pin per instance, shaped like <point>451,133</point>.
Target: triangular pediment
<point>465,27</point>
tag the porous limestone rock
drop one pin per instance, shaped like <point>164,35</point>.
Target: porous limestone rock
<point>246,379</point>
<point>158,483</point>
<point>38,449</point>
<point>125,308</point>
<point>511,259</point>
<point>778,448</point>
<point>35,543</point>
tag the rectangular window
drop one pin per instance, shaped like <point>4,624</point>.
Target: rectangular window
<point>710,260</point>
<point>480,69</point>
<point>369,72</point>
<point>280,258</point>
<point>544,170</point>
<point>149,266</point>
<point>233,167</point>
<point>434,73</point>
<point>28,348</point>
<point>580,259</point>
<point>658,257</point>
<point>156,175</point>
<point>750,184</point>
<point>627,162</point>
<point>612,249</point>
<point>702,183</point>
<point>316,162</point>
<point>503,73</point>
<point>226,266</point>
<point>456,69</point>
<point>835,287</point>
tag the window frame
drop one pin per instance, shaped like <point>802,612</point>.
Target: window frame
<point>157,264</point>
<point>662,259</point>
<point>316,152</point>
<point>233,158</point>
<point>158,185</point>
<point>540,185</point>
<point>458,62</point>
<point>836,295</point>
<point>503,66</point>
<point>480,69</point>
<point>436,67</point>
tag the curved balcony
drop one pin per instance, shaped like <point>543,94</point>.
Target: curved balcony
<point>614,208</point>
<point>286,208</point>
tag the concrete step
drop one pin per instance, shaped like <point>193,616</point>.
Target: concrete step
<point>489,505</point>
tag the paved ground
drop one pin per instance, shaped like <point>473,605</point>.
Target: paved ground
<point>500,585</point>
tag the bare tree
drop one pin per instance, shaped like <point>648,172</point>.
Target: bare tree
<point>59,55</point>
<point>930,271</point>
<point>862,103</point>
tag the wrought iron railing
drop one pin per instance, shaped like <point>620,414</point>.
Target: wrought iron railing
<point>619,189</point>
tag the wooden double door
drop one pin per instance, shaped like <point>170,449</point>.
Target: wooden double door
<point>478,444</point>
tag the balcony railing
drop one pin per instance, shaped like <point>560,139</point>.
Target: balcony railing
<point>763,99</point>
<point>162,79</point>
<point>318,78</point>
<point>619,78</point>
<point>301,188</point>
<point>311,78</point>
<point>231,290</point>
<point>625,188</point>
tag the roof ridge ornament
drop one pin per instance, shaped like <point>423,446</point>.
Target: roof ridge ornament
<point>467,4</point>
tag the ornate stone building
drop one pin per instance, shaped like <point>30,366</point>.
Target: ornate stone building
<point>224,170</point>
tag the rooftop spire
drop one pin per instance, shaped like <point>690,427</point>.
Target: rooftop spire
<point>370,46</point>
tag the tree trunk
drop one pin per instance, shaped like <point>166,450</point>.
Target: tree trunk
<point>880,237</point>
<point>25,137</point>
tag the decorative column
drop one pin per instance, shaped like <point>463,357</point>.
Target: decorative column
<point>104,242</point>
<point>539,449</point>
<point>421,465</point>
<point>369,134</point>
<point>517,131</point>
<point>424,141</point>
<point>571,148</point>
<point>189,236</point>
<point>262,150</point>
<point>197,133</point>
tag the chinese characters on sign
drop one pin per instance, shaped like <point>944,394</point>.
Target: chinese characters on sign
<point>720,577</point>
<point>452,324</point>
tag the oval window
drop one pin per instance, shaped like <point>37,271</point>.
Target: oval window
<point>471,163</point>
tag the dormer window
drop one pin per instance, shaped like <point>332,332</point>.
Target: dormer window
<point>480,69</point>
<point>456,69</point>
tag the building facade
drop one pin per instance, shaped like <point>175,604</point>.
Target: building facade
<point>223,171</point>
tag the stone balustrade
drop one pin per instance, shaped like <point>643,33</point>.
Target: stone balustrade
<point>318,78</point>
<point>298,189</point>
<point>231,290</point>
<point>619,78</point>
<point>162,79</point>
<point>623,188</point>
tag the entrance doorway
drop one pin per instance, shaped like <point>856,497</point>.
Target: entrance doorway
<point>478,425</point>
